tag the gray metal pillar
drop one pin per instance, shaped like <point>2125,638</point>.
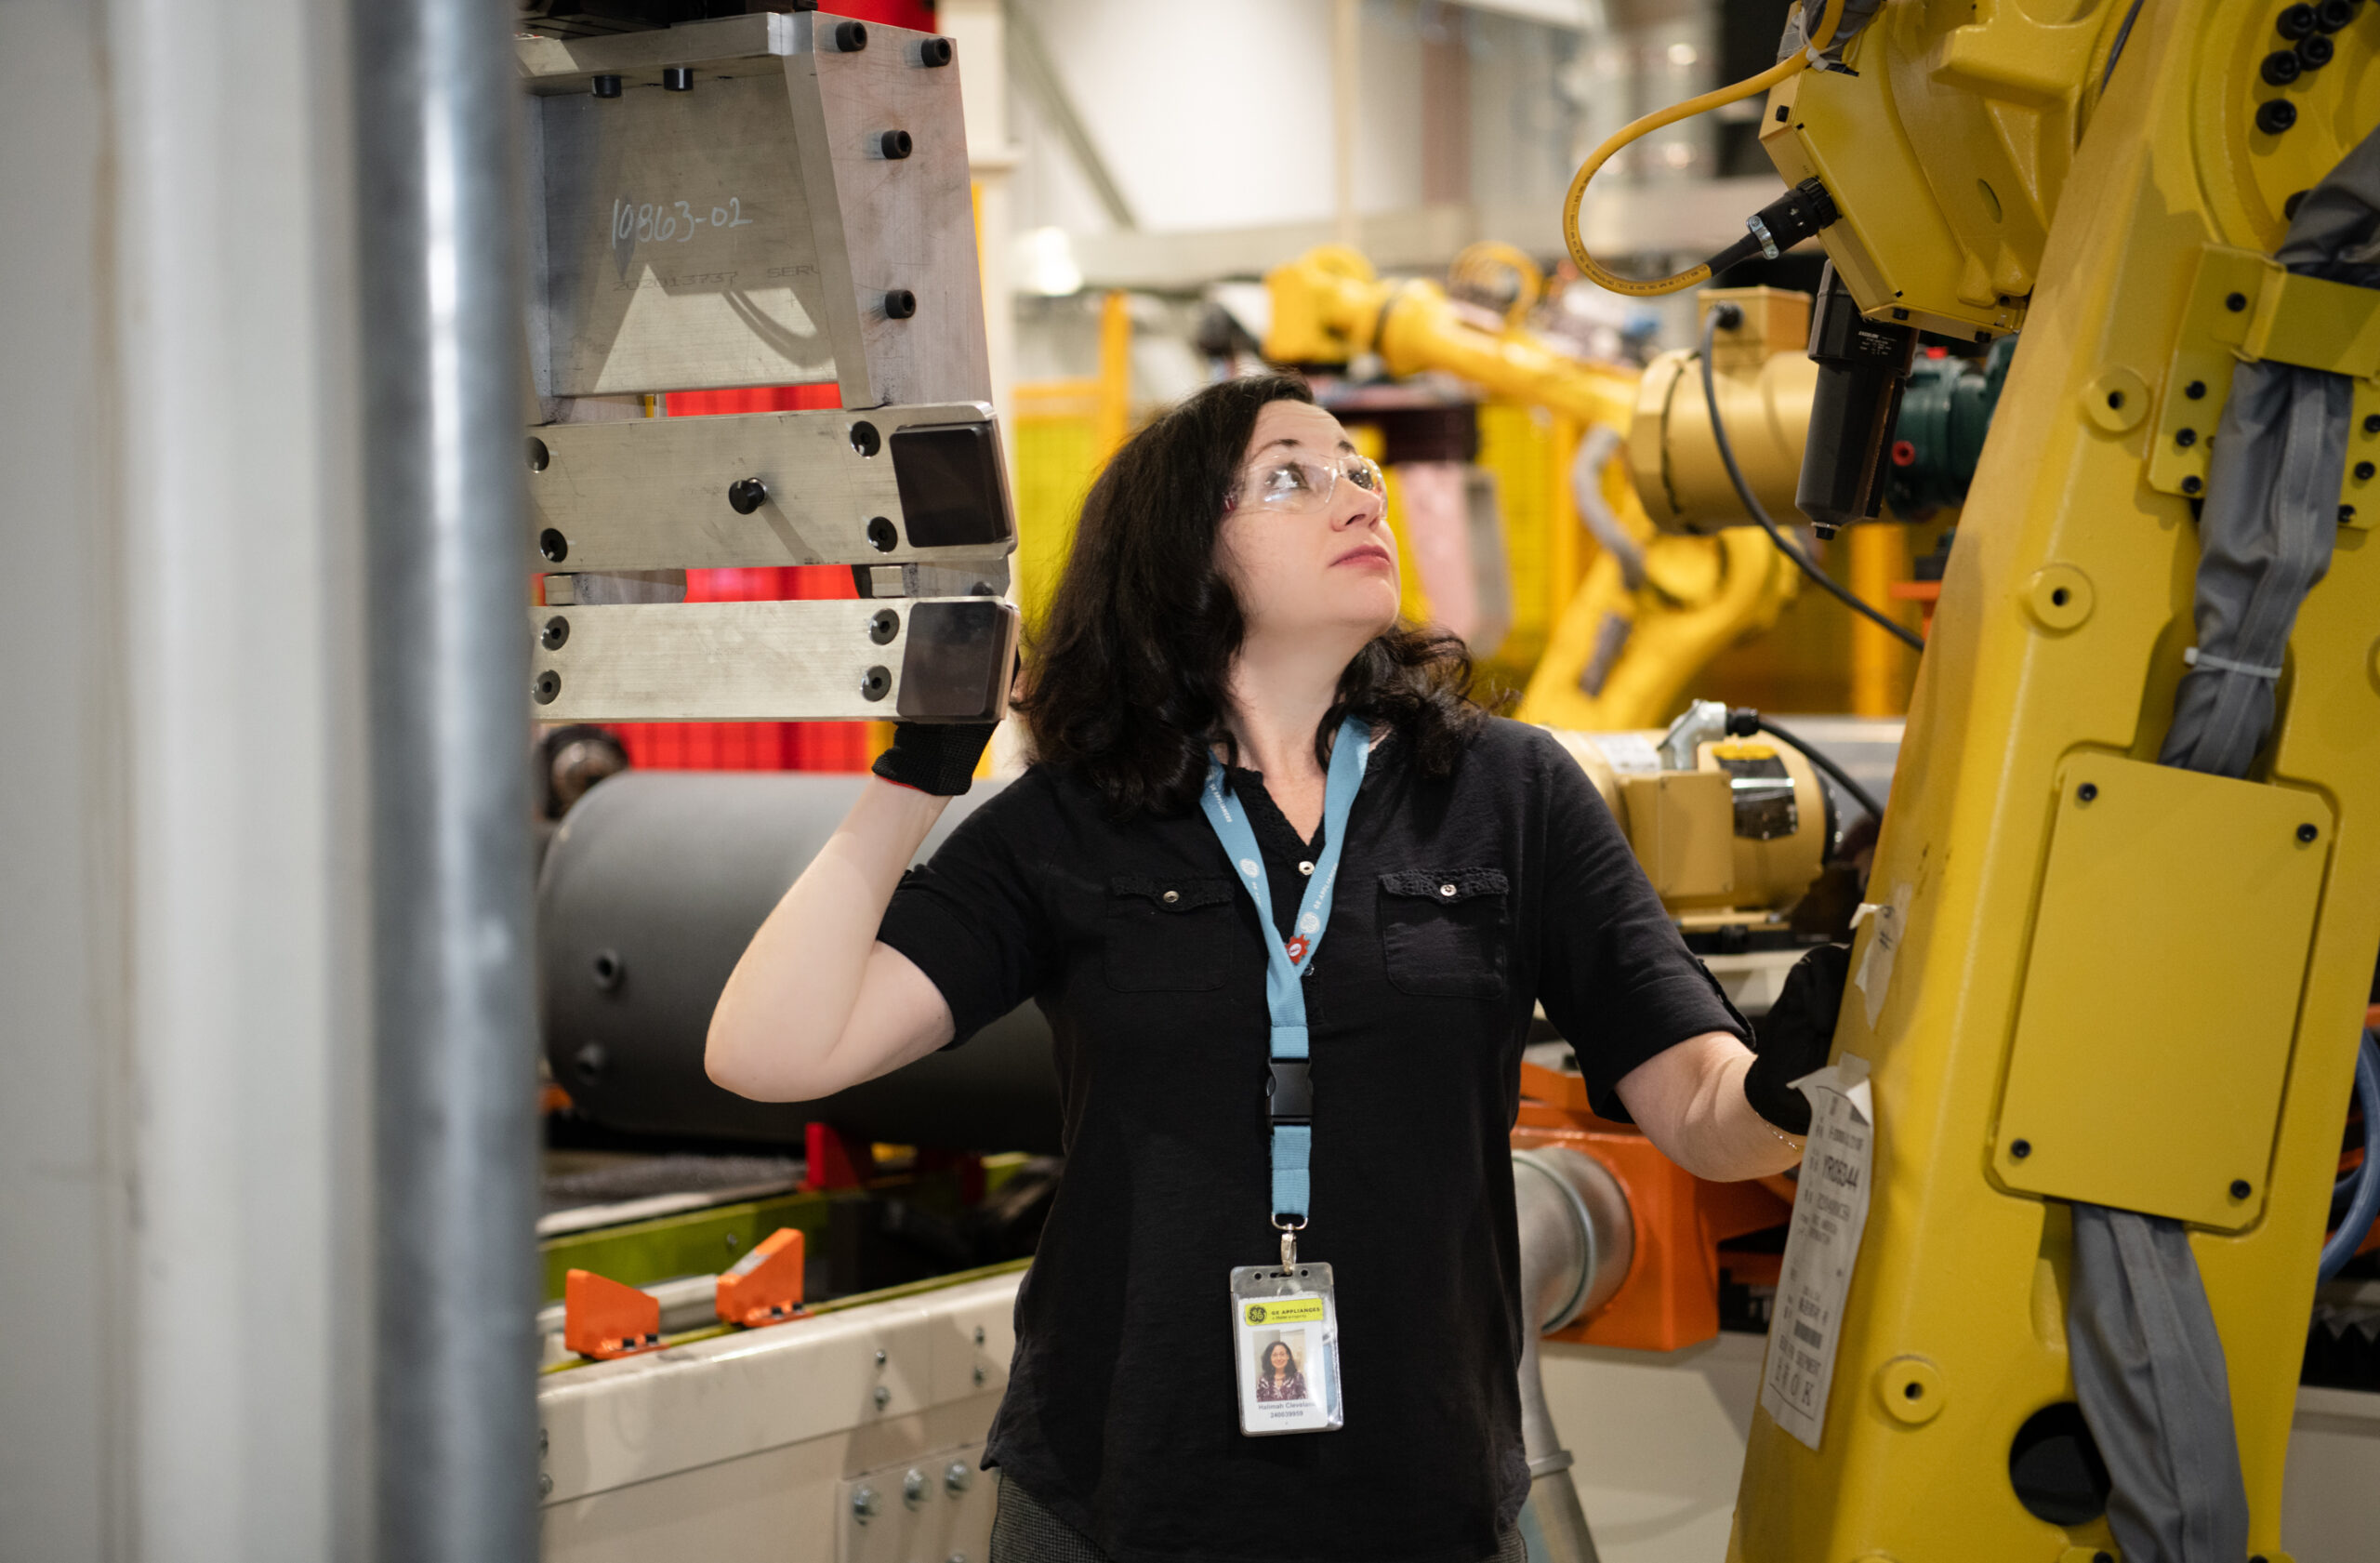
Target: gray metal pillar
<point>434,100</point>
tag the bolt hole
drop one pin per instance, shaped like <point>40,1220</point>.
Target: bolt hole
<point>553,544</point>
<point>864,439</point>
<point>2058,598</point>
<point>607,967</point>
<point>882,536</point>
<point>1913,1391</point>
<point>539,457</point>
<point>2115,401</point>
<point>2055,1465</point>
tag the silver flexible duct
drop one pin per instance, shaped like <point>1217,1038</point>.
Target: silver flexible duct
<point>1577,1240</point>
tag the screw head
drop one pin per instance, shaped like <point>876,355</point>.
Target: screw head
<point>608,968</point>
<point>883,1395</point>
<point>677,78</point>
<point>2273,116</point>
<point>746,494</point>
<point>2363,471</point>
<point>2195,391</point>
<point>2020,1149</point>
<point>2315,52</point>
<point>850,36</point>
<point>2192,484</point>
<point>553,544</point>
<point>979,1334</point>
<point>895,145</point>
<point>539,457</point>
<point>2308,832</point>
<point>2186,438</point>
<point>864,1504</point>
<point>556,632</point>
<point>875,683</point>
<point>881,537</point>
<point>980,1375</point>
<point>882,625</point>
<point>606,86</point>
<point>2235,302</point>
<point>2279,68</point>
<point>545,1485</point>
<point>913,1487</point>
<point>548,685</point>
<point>880,1358</point>
<point>2241,1188</point>
<point>2087,792</point>
<point>957,1478</point>
<point>2294,21</point>
<point>900,304</point>
<point>935,52</point>
<point>865,438</point>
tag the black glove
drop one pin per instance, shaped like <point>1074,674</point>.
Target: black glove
<point>1795,1037</point>
<point>935,757</point>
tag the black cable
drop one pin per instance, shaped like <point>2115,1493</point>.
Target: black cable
<point>1840,776</point>
<point>2115,52</point>
<point>1752,503</point>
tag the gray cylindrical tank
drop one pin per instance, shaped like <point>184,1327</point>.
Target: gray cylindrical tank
<point>653,885</point>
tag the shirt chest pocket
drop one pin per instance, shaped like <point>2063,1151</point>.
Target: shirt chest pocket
<point>1443,935</point>
<point>1167,934</point>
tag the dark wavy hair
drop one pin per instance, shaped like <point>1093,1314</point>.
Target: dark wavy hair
<point>1126,683</point>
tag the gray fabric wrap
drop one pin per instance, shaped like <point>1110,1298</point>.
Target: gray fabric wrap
<point>2148,1363</point>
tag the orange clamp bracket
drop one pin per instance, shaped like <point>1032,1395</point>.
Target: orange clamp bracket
<point>765,1287</point>
<point>602,1319</point>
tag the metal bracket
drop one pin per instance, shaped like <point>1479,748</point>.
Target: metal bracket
<point>2243,307</point>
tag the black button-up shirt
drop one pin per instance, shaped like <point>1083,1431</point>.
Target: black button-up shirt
<point>1461,902</point>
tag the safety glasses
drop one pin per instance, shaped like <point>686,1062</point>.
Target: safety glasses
<point>1298,485</point>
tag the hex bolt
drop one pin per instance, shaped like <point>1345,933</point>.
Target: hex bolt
<point>2281,67</point>
<point>880,535</point>
<point>2295,22</point>
<point>2187,438</point>
<point>548,685</point>
<point>539,457</point>
<point>2309,833</point>
<point>2020,1149</point>
<point>2086,792</point>
<point>935,52</point>
<point>677,78</point>
<point>2273,116</point>
<point>555,633</point>
<point>883,1395</point>
<point>882,625</point>
<point>2195,391</point>
<point>850,36</point>
<point>865,438</point>
<point>864,1504</point>
<point>2315,52</point>
<point>913,1487</point>
<point>746,494</point>
<point>957,1478</point>
<point>875,683</point>
<point>607,86</point>
<point>2242,1188</point>
<point>553,544</point>
<point>900,304</point>
<point>895,144</point>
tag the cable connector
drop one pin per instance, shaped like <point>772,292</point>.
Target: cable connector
<point>1781,225</point>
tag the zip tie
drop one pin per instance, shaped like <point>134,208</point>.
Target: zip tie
<point>2198,659</point>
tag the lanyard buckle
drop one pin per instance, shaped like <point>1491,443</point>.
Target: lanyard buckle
<point>1288,1095</point>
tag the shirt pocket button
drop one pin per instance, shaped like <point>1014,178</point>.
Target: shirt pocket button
<point>1171,897</point>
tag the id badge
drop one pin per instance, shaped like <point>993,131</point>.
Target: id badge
<point>1285,1340</point>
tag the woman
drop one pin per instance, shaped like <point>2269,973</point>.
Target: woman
<point>1224,654</point>
<point>1280,1379</point>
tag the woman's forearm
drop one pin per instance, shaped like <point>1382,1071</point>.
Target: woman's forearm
<point>1690,1101</point>
<point>783,1028</point>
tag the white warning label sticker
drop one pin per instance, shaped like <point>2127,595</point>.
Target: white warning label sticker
<point>1830,1212</point>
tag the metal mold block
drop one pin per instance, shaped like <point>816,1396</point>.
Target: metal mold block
<point>948,661</point>
<point>750,231</point>
<point>654,494</point>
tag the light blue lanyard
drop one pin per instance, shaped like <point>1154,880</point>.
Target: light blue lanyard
<point>1288,1094</point>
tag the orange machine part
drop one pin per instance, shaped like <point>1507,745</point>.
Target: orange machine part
<point>766,1286</point>
<point>602,1319</point>
<point>1670,1298</point>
